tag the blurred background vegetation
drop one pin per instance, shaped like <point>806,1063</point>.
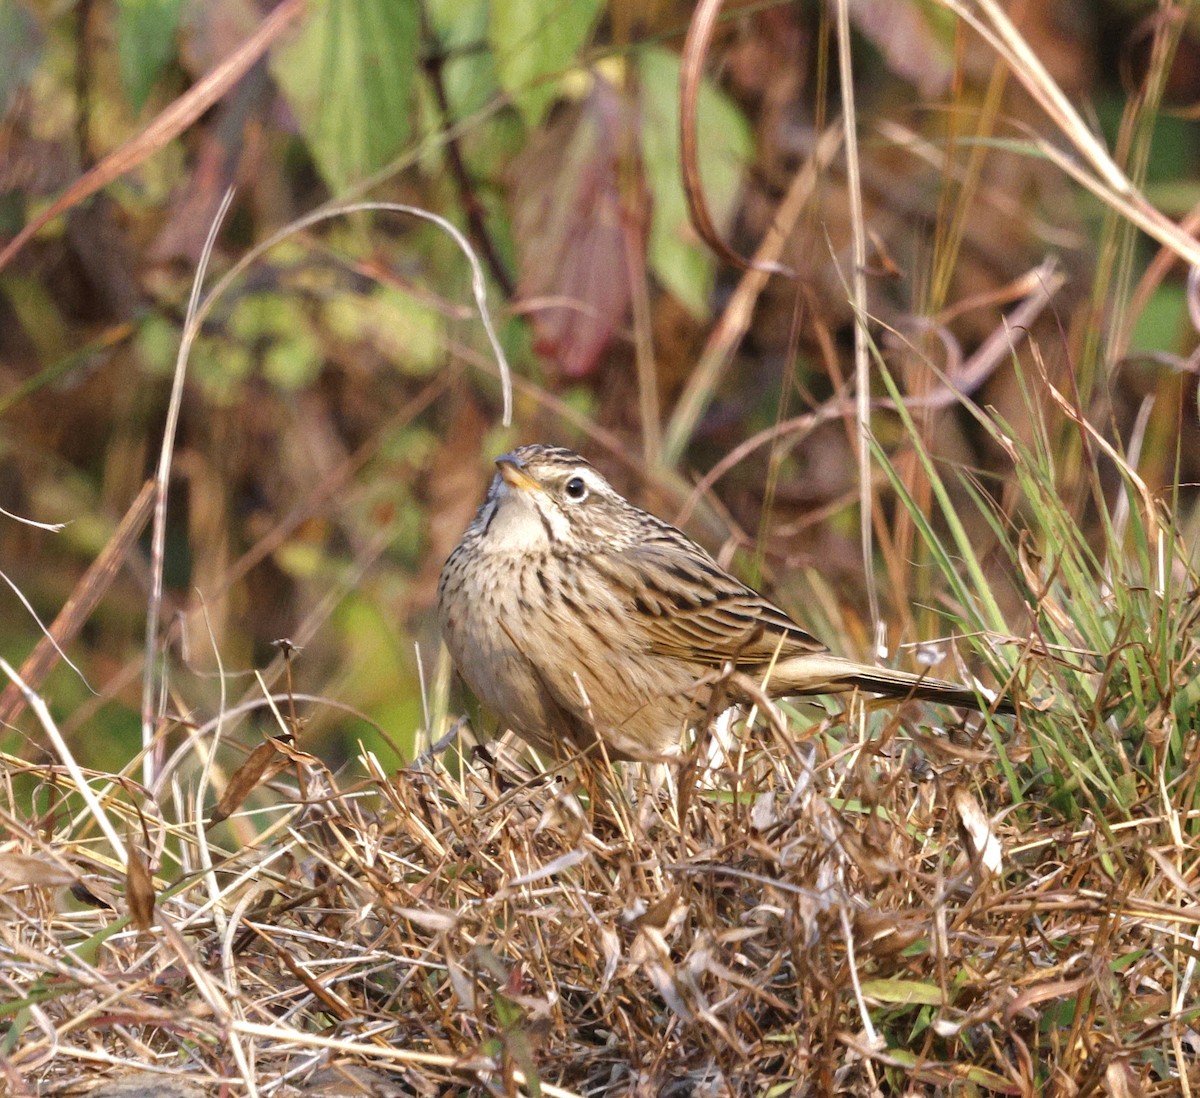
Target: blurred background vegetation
<point>342,405</point>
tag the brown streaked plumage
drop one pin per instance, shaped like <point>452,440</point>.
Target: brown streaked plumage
<point>572,613</point>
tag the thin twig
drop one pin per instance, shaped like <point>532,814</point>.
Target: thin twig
<point>159,535</point>
<point>42,712</point>
<point>435,64</point>
<point>858,302</point>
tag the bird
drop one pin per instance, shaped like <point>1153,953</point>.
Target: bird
<point>581,620</point>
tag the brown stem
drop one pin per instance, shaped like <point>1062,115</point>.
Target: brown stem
<point>434,63</point>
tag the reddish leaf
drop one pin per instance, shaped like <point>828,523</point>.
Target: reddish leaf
<point>139,891</point>
<point>571,230</point>
<point>910,39</point>
<point>265,761</point>
<point>18,869</point>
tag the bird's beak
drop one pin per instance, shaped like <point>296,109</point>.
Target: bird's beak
<point>512,473</point>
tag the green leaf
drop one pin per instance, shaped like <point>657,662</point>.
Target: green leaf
<point>376,664</point>
<point>157,344</point>
<point>291,354</point>
<point>910,992</point>
<point>348,76</point>
<point>1162,320</point>
<point>680,261</point>
<point>468,72</point>
<point>145,44</point>
<point>20,49</point>
<point>536,39</point>
<point>293,363</point>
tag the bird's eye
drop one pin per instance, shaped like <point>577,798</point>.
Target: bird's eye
<point>576,490</point>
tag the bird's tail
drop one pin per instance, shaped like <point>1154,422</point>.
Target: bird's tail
<point>821,673</point>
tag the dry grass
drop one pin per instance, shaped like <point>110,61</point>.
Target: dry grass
<point>859,911</point>
<point>860,902</point>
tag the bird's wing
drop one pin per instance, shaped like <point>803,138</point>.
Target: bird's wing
<point>687,606</point>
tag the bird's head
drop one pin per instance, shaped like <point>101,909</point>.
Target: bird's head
<point>546,498</point>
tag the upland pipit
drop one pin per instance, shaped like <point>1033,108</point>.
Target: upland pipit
<point>573,614</point>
